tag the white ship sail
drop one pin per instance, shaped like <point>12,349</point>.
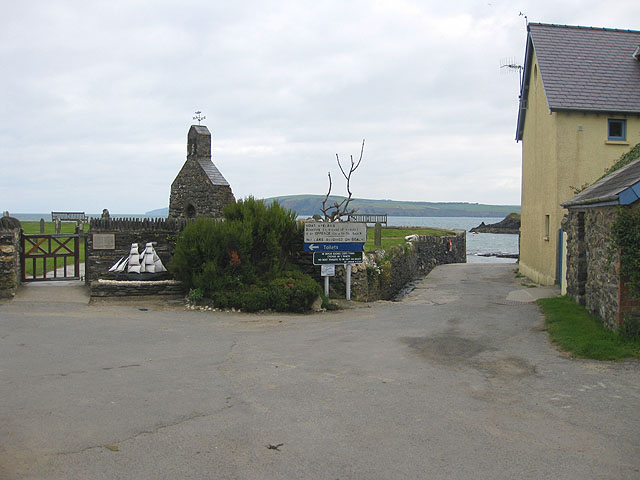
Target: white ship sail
<point>145,262</point>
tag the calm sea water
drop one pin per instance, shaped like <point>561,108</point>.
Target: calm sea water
<point>477,243</point>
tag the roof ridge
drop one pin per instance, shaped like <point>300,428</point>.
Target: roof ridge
<point>586,196</point>
<point>582,27</point>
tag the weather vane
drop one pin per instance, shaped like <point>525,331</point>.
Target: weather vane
<point>199,117</point>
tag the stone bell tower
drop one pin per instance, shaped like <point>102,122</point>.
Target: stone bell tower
<point>199,189</point>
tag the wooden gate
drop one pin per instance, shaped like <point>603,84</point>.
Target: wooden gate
<point>50,257</point>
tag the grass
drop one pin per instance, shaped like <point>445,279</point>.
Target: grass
<point>578,332</point>
<point>33,228</point>
<point>395,236</point>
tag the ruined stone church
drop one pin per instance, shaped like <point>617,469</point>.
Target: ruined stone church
<point>199,189</point>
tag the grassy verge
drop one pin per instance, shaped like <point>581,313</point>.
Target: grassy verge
<point>395,236</point>
<point>578,332</point>
<point>33,228</point>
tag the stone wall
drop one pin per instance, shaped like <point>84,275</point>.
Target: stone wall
<point>199,189</point>
<point>98,261</point>
<point>385,273</point>
<point>10,269</point>
<point>592,269</point>
<point>382,275</point>
<point>193,194</point>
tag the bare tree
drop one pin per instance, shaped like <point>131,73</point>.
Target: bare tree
<point>339,210</point>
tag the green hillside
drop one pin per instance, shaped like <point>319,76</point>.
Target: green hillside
<point>311,204</point>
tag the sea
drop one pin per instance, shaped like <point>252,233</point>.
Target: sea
<point>481,247</point>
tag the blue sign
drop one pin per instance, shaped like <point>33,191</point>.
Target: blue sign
<point>333,247</point>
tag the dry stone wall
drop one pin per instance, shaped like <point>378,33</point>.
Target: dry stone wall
<point>10,270</point>
<point>592,267</point>
<point>98,260</point>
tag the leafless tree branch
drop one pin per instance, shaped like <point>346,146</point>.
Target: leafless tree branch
<point>340,209</point>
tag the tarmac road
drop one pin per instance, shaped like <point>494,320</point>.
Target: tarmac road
<point>458,381</point>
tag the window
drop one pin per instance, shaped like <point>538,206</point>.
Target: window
<point>546,228</point>
<point>617,129</point>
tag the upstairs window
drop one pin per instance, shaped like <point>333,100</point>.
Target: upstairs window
<point>617,129</point>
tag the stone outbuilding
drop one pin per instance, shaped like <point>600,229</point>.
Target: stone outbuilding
<point>592,269</point>
<point>199,189</point>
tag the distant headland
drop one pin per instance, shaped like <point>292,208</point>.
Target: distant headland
<point>310,205</point>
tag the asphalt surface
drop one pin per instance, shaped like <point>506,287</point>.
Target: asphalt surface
<point>458,381</point>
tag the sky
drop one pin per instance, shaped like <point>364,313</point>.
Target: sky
<point>98,97</point>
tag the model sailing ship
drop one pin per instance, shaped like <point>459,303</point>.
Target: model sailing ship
<point>141,266</point>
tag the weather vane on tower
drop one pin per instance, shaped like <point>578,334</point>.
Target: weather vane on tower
<point>199,117</point>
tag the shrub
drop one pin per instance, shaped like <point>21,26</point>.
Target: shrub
<point>195,294</point>
<point>243,262</point>
<point>274,231</point>
<point>625,236</point>
<point>255,299</point>
<point>293,292</point>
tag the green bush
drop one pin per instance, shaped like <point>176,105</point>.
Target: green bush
<point>195,294</point>
<point>293,292</point>
<point>254,299</point>
<point>625,236</point>
<point>630,327</point>
<point>243,261</point>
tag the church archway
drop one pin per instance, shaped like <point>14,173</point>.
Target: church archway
<point>190,211</point>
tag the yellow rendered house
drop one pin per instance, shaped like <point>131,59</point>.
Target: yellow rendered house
<point>579,112</point>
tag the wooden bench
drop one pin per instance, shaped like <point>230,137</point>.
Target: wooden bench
<point>69,217</point>
<point>366,218</point>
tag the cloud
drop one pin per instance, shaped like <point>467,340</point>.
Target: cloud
<point>100,97</point>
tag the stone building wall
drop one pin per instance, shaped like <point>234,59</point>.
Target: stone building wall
<point>199,189</point>
<point>98,261</point>
<point>592,268</point>
<point>10,269</point>
<point>192,188</point>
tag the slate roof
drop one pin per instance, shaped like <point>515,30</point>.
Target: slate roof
<point>212,172</point>
<point>621,187</point>
<point>583,69</point>
<point>201,129</point>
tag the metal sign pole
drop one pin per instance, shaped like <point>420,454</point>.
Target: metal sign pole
<point>348,280</point>
<point>326,286</point>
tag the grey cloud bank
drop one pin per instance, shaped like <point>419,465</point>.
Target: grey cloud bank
<point>98,97</point>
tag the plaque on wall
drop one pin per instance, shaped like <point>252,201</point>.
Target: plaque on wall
<point>104,241</point>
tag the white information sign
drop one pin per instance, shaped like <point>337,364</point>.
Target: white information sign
<point>104,241</point>
<point>328,270</point>
<point>335,232</point>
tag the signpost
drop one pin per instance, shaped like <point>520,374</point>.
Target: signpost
<point>336,232</point>
<point>337,258</point>
<point>335,243</point>
<point>327,271</point>
<point>334,247</point>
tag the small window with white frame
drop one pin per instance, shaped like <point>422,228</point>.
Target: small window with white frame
<point>617,129</point>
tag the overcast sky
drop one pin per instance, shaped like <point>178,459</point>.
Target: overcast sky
<point>98,96</point>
